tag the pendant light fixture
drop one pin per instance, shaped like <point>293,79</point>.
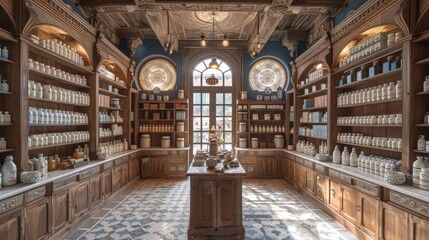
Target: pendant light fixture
<point>225,41</point>
<point>168,46</point>
<point>203,42</point>
<point>213,64</point>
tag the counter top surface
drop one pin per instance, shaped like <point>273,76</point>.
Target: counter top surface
<point>203,171</point>
<point>7,192</point>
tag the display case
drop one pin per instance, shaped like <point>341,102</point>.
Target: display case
<point>368,93</point>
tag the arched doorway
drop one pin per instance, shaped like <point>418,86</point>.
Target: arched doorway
<point>212,105</point>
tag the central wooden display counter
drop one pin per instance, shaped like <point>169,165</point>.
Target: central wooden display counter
<point>216,203</point>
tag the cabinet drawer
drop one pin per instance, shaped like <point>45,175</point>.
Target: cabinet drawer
<point>409,203</point>
<point>248,160</point>
<point>266,153</point>
<point>308,163</point>
<point>299,160</point>
<point>11,203</point>
<point>89,173</point>
<point>175,168</point>
<point>177,160</point>
<point>320,168</point>
<point>35,194</point>
<point>60,184</point>
<point>340,176</point>
<point>366,187</point>
<point>107,165</point>
<point>279,154</point>
<point>289,156</point>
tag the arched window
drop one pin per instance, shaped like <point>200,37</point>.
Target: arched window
<point>202,72</point>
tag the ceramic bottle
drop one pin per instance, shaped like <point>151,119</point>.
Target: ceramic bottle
<point>417,166</point>
<point>353,158</point>
<point>421,143</point>
<point>426,84</point>
<point>398,89</point>
<point>336,155</point>
<point>345,157</point>
<point>8,172</point>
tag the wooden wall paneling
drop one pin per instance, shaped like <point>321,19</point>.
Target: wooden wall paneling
<point>227,211</point>
<point>107,183</point>
<point>12,225</point>
<point>134,168</point>
<point>334,199</point>
<point>418,228</point>
<point>310,183</point>
<point>125,174</point>
<point>349,203</point>
<point>116,178</point>
<point>393,222</point>
<point>38,220</point>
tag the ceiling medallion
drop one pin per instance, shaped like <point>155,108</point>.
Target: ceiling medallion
<point>207,17</point>
<point>157,75</point>
<point>267,74</point>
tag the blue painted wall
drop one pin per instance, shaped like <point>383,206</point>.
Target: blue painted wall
<point>73,6</point>
<point>343,13</point>
<point>272,49</point>
<point>150,49</point>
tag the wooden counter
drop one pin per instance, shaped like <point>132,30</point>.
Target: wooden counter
<point>216,203</point>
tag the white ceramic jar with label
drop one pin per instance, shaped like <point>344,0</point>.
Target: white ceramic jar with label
<point>8,172</point>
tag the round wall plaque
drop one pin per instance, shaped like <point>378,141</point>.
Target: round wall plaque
<point>266,74</point>
<point>157,74</point>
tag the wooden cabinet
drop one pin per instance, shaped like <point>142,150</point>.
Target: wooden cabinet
<point>158,165</point>
<point>96,189</point>
<point>80,196</point>
<point>107,183</point>
<point>61,203</point>
<point>124,174</point>
<point>348,206</point>
<point>394,223</point>
<point>37,220</point>
<point>116,178</point>
<point>334,199</point>
<point>289,169</point>
<point>321,187</point>
<point>299,176</point>
<point>269,165</point>
<point>134,169</point>
<point>368,214</point>
<point>310,180</point>
<point>418,228</point>
<point>11,225</point>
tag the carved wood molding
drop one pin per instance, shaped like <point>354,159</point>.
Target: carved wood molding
<point>409,202</point>
<point>321,46</point>
<point>58,10</point>
<point>367,11</point>
<point>108,51</point>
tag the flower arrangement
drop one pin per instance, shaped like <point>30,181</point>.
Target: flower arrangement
<point>219,133</point>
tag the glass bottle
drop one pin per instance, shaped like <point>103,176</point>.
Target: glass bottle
<point>398,89</point>
<point>8,172</point>
<point>421,143</point>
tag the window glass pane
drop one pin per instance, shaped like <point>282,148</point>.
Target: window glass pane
<point>196,147</point>
<point>206,110</point>
<point>196,76</point>
<point>227,146</point>
<point>200,67</point>
<point>205,124</point>
<point>197,110</point>
<point>205,138</point>
<point>197,137</point>
<point>228,98</point>
<point>207,61</point>
<point>223,67</point>
<point>228,110</point>
<point>219,98</point>
<point>228,124</point>
<point>197,98</point>
<point>228,79</point>
<point>219,110</point>
<point>205,99</point>
<point>197,123</point>
<point>219,122</point>
<point>228,137</point>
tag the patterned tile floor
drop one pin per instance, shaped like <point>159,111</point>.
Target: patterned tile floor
<point>158,209</point>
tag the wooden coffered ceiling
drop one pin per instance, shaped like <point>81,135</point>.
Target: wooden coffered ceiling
<point>190,19</point>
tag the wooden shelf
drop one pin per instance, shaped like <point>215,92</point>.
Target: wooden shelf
<point>313,82</point>
<point>311,109</point>
<point>314,123</point>
<point>110,81</point>
<point>422,125</point>
<point>7,36</point>
<point>165,109</point>
<point>104,91</point>
<point>312,137</point>
<point>156,132</point>
<point>255,102</point>
<point>397,47</point>
<point>112,136</point>
<point>382,76</point>
<point>111,122</point>
<point>36,49</point>
<point>371,147</point>
<point>423,93</point>
<point>57,145</point>
<point>6,93</point>
<point>371,103</point>
<point>112,108</point>
<point>423,62</point>
<point>56,125</point>
<point>7,150</point>
<point>315,93</point>
<point>142,120</point>
<point>57,79</point>
<point>6,124</point>
<point>368,125</point>
<point>4,60</point>
<point>57,102</point>
<point>265,120</point>
<point>419,151</point>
